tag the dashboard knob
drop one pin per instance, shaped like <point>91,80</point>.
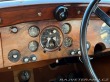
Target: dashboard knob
<point>14,29</point>
<point>25,59</point>
<point>79,52</point>
<point>24,76</point>
<point>61,13</point>
<point>33,58</point>
<point>72,53</point>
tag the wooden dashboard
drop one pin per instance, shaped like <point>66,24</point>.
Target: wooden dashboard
<point>41,16</point>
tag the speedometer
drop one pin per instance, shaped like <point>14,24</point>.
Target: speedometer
<point>51,38</point>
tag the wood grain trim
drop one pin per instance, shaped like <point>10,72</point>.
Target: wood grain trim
<point>21,40</point>
<point>1,53</point>
<point>16,73</point>
<point>28,65</point>
<point>14,15</point>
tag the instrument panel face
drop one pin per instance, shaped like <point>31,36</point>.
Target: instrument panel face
<point>42,40</point>
<point>51,38</point>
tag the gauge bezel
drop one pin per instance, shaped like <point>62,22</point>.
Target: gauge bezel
<point>64,42</point>
<point>61,35</point>
<point>105,28</point>
<point>70,28</point>
<point>37,45</point>
<point>35,27</point>
<point>10,55</point>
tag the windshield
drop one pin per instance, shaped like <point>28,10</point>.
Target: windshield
<point>12,3</point>
<point>8,0</point>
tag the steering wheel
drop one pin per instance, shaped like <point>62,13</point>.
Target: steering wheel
<point>92,8</point>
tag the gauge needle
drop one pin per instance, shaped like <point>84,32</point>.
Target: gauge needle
<point>48,42</point>
<point>55,38</point>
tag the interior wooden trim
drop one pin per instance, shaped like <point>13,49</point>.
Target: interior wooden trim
<point>14,15</point>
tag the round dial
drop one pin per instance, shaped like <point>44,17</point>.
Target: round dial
<point>51,38</point>
<point>14,55</point>
<point>105,33</point>
<point>68,42</point>
<point>66,28</point>
<point>33,46</point>
<point>34,31</point>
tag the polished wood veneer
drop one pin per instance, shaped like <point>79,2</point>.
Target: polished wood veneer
<point>1,54</point>
<point>42,16</point>
<point>21,40</point>
<point>14,15</point>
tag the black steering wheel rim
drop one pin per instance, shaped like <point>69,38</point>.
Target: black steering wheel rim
<point>83,31</point>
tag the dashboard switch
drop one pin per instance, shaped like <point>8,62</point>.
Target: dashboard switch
<point>79,52</point>
<point>25,59</point>
<point>72,52</point>
<point>24,76</point>
<point>14,29</point>
<point>61,13</point>
<point>33,58</point>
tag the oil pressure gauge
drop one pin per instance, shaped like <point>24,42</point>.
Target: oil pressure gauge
<point>66,28</point>
<point>33,31</point>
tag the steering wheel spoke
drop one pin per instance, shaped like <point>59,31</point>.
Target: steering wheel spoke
<point>102,15</point>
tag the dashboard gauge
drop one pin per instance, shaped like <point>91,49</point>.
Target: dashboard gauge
<point>34,31</point>
<point>51,38</point>
<point>14,55</point>
<point>33,46</point>
<point>68,42</point>
<point>66,28</point>
<point>105,33</point>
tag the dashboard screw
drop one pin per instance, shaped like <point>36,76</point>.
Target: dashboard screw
<point>9,68</point>
<point>39,14</point>
<point>78,12</point>
<point>0,20</point>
